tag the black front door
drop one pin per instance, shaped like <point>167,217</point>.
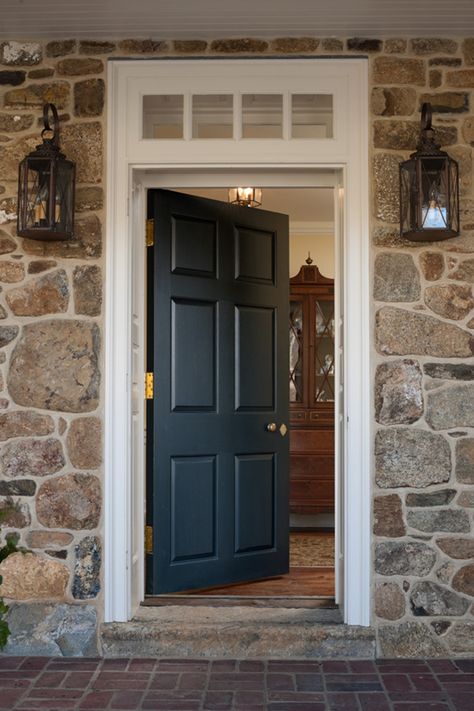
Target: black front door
<point>220,360</point>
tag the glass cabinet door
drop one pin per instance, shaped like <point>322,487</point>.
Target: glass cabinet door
<point>324,351</point>
<point>296,351</point>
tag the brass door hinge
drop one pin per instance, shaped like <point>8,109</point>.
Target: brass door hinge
<point>148,386</point>
<point>150,233</point>
<point>148,540</point>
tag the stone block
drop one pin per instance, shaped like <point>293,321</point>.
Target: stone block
<point>404,558</point>
<point>449,371</point>
<point>83,143</point>
<point>295,45</point>
<point>460,78</point>
<point>48,294</point>
<point>460,638</point>
<point>89,97</point>
<point>89,197</point>
<point>70,501</point>
<point>465,460</point>
<point>45,629</point>
<point>444,62</point>
<point>388,516</point>
<point>364,44</point>
<point>396,70</point>
<point>55,366</point>
<point>400,332</point>
<point>393,101</point>
<point>389,601</point>
<point>44,539</point>
<point>32,457</point>
<point>453,301</point>
<point>190,46</point>
<point>396,278</point>
<point>11,272</point>
<point>142,46</point>
<point>12,78</point>
<point>87,283</point>
<point>400,135</point>
<point>20,487</point>
<point>42,73</point>
<point>386,191</point>
<point>463,156</point>
<point>84,443</point>
<point>27,576</point>
<point>395,46</point>
<point>433,45</point>
<point>41,265</point>
<point>86,580</point>
<point>398,392</point>
<point>33,96</point>
<point>436,78</point>
<point>431,521</point>
<point>464,271</point>
<point>432,265</point>
<point>466,499</point>
<point>451,407</point>
<point>463,581</point>
<point>245,45</point>
<point>428,598</point>
<point>411,457</point>
<point>60,48</point>
<point>20,53</point>
<point>332,44</point>
<point>96,47</point>
<point>8,334</point>
<point>434,498</point>
<point>457,548</point>
<point>79,66</point>
<point>25,423</point>
<point>409,640</point>
<point>7,244</point>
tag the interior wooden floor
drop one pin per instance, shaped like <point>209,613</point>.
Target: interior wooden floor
<point>301,582</point>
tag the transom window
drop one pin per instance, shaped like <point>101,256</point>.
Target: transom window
<point>237,116</point>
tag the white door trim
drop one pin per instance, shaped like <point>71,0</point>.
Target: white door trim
<point>123,487</point>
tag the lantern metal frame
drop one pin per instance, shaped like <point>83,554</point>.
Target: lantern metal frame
<point>429,189</point>
<point>46,207</point>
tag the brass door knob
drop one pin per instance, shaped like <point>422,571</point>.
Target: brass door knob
<point>271,427</point>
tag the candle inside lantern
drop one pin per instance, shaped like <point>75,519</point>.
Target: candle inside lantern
<point>434,216</point>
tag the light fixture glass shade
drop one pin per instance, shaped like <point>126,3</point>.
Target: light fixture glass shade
<point>429,190</point>
<point>248,197</point>
<point>46,188</point>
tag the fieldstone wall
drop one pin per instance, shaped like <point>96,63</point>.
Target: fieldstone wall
<point>423,364</point>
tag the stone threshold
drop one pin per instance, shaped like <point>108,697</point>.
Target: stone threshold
<point>237,632</point>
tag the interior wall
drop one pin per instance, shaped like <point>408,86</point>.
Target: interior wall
<point>321,248</point>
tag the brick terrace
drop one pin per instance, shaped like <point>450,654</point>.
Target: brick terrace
<point>32,683</point>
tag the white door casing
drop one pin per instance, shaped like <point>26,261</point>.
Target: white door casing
<point>132,164</point>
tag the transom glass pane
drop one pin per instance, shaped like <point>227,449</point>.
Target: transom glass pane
<point>262,115</point>
<point>163,116</point>
<point>311,116</point>
<point>296,351</point>
<point>324,352</point>
<point>213,115</point>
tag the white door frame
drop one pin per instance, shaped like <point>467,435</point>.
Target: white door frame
<point>124,466</point>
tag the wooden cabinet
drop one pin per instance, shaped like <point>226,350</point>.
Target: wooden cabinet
<point>312,388</point>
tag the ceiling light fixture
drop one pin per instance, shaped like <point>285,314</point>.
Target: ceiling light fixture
<point>247,197</point>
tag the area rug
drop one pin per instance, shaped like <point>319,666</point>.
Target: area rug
<point>311,550</point>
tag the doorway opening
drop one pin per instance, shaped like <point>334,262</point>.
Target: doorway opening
<point>313,378</point>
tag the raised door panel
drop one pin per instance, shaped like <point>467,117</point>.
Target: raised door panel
<point>193,246</point>
<point>254,502</point>
<point>254,345</point>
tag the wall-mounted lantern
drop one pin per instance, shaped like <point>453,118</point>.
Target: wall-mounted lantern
<point>46,187</point>
<point>429,190</point>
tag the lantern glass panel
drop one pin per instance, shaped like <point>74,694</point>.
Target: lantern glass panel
<point>408,184</point>
<point>64,197</point>
<point>453,196</point>
<point>434,193</point>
